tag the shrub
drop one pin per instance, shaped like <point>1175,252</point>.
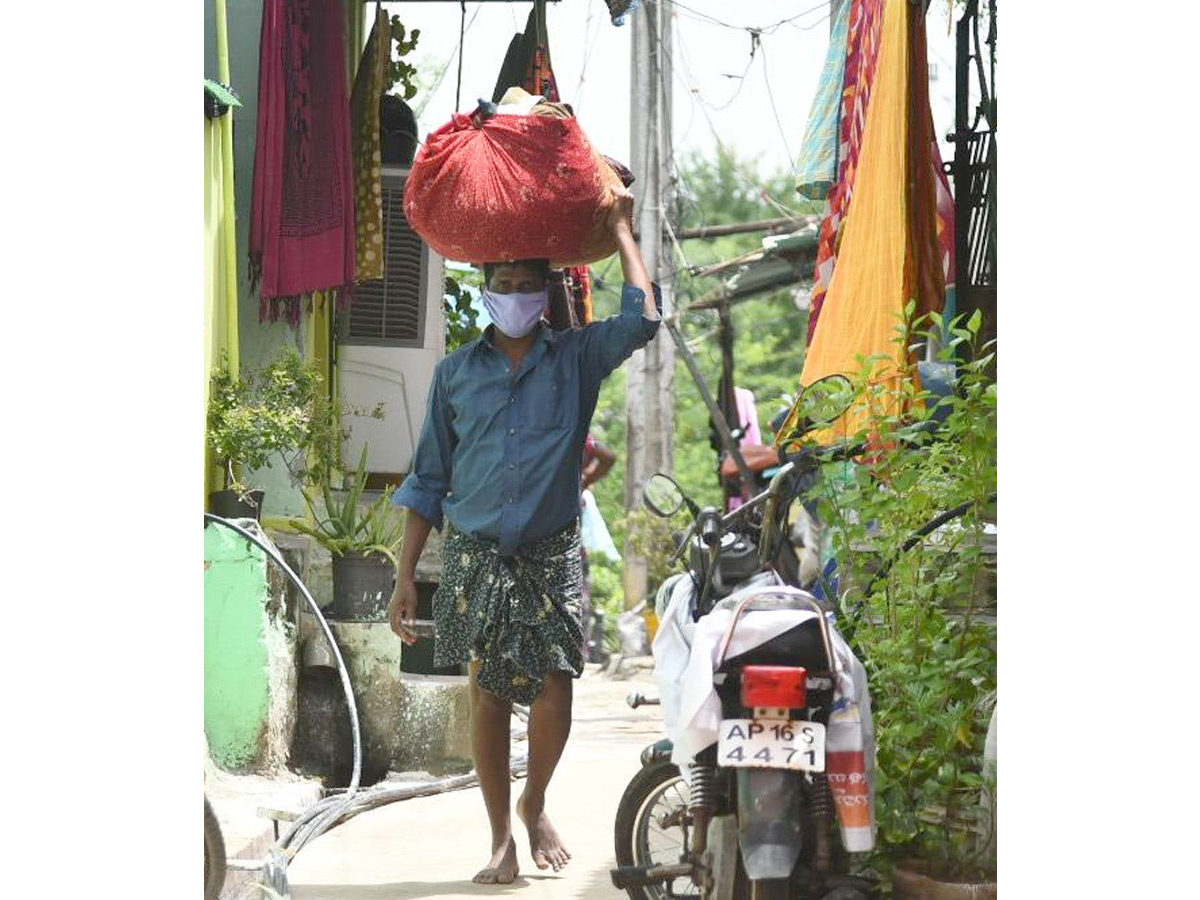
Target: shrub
<point>917,610</point>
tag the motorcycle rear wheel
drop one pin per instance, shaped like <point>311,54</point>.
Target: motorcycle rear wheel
<point>656,792</point>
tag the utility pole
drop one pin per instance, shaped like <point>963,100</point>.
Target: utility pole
<point>650,390</point>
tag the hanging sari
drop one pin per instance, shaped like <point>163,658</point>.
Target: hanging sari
<point>890,252</point>
<point>819,151</point>
<point>862,53</point>
<point>302,208</point>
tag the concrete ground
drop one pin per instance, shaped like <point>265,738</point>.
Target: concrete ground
<point>431,847</point>
<point>236,801</point>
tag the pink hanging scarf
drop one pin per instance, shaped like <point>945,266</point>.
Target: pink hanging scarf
<point>302,212</point>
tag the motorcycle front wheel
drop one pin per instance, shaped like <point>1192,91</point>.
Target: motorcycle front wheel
<point>653,828</point>
<point>214,854</point>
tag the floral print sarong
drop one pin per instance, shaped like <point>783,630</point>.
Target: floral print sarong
<point>519,615</point>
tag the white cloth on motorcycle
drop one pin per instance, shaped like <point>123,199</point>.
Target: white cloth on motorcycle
<point>687,656</point>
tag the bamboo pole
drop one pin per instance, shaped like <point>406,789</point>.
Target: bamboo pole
<point>228,200</point>
<point>770,226</point>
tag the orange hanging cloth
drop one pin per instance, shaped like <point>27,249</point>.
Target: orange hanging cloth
<point>889,253</point>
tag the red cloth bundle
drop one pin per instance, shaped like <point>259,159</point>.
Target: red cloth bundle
<point>514,187</point>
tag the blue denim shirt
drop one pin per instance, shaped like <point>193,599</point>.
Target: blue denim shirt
<point>499,454</point>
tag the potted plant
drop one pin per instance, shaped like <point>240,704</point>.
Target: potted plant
<point>255,420</point>
<point>363,544</point>
<point>920,616</point>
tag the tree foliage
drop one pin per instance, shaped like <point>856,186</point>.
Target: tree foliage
<point>768,330</point>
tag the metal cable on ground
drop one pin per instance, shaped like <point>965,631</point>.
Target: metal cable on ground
<point>338,808</point>
<point>318,817</point>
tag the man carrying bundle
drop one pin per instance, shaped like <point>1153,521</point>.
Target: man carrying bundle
<point>499,458</point>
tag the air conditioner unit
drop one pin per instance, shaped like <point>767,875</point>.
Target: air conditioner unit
<point>389,341</point>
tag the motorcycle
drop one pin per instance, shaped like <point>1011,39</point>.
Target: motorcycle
<point>766,705</point>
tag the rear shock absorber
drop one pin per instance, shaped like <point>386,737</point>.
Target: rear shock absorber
<point>822,818</point>
<point>702,802</point>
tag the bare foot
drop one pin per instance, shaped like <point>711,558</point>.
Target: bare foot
<point>502,868</point>
<point>544,843</point>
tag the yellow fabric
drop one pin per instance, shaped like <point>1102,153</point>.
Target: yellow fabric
<point>366,145</point>
<point>871,285</point>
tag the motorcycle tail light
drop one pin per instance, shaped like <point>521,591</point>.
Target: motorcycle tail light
<point>774,687</point>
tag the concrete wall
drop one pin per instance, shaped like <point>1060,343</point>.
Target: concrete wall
<point>249,656</point>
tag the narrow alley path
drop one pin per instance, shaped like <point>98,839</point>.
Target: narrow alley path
<point>431,847</point>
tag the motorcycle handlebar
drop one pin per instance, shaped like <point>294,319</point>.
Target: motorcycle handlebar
<point>808,456</point>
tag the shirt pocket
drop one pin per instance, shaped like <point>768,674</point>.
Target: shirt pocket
<point>547,402</point>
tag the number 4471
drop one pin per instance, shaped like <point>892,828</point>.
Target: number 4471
<point>738,754</point>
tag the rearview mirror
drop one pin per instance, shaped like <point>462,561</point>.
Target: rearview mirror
<point>823,401</point>
<point>662,495</point>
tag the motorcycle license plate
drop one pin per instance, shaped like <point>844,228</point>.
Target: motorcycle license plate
<point>772,744</point>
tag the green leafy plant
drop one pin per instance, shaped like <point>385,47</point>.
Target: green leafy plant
<point>262,417</point>
<point>344,528</point>
<point>608,595</point>
<point>461,316</point>
<point>328,433</point>
<point>921,617</point>
<point>651,537</point>
<point>403,73</point>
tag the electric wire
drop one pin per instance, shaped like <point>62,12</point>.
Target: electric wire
<point>694,97</point>
<point>699,16</point>
<point>774,111</point>
<point>820,21</point>
<point>462,35</point>
<point>437,82</point>
<point>591,45</point>
<point>741,78</point>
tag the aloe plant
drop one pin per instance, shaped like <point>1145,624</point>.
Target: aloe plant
<point>344,529</point>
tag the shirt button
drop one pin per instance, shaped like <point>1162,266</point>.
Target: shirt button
<point>510,399</point>
<point>512,465</point>
<point>512,431</point>
<point>510,499</point>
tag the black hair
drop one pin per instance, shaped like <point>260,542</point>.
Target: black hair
<point>540,266</point>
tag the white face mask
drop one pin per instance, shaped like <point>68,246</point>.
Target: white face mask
<point>515,314</point>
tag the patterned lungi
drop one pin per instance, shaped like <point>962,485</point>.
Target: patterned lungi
<point>519,616</point>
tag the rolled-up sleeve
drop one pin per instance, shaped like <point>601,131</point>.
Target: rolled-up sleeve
<point>429,481</point>
<point>607,344</point>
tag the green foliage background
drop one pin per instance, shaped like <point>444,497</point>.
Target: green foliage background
<point>768,330</point>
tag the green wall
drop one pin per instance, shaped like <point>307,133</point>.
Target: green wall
<point>236,688</point>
